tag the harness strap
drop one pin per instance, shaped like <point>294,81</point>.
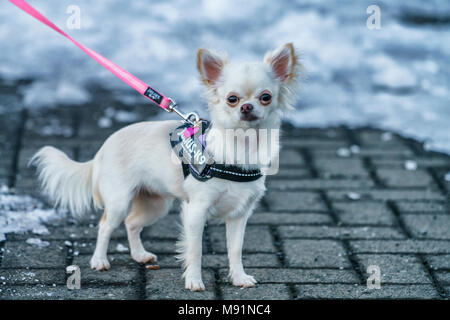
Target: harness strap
<point>222,171</point>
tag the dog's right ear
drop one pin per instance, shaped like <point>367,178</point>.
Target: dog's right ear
<point>210,66</point>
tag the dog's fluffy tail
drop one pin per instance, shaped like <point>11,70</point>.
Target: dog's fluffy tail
<point>68,183</point>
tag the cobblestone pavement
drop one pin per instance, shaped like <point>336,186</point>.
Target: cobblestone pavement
<point>344,199</point>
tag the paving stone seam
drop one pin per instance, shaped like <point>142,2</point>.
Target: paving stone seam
<point>329,206</point>
<point>436,284</point>
<point>438,182</point>
<point>281,255</point>
<point>371,169</point>
<point>309,161</point>
<point>18,148</point>
<point>393,207</point>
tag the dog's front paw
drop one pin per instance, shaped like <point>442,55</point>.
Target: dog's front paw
<point>194,284</point>
<point>100,264</point>
<point>144,257</point>
<point>243,280</point>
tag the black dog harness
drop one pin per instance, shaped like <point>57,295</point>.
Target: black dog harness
<point>189,143</point>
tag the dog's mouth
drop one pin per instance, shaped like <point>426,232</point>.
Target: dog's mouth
<point>249,117</point>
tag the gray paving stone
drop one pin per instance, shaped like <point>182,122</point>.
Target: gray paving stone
<point>393,194</point>
<point>221,260</point>
<point>155,246</point>
<point>319,133</point>
<point>250,260</point>
<point>447,289</point>
<point>291,173</point>
<point>428,226</point>
<point>278,218</point>
<point>27,153</point>
<point>315,253</point>
<point>118,274</point>
<point>372,152</point>
<point>363,212</point>
<point>60,292</point>
<point>259,292</point>
<point>291,157</point>
<point>370,138</point>
<point>313,143</point>
<point>318,184</point>
<point>350,291</point>
<point>167,284</point>
<point>73,233</point>
<point>56,126</point>
<point>421,207</point>
<point>338,167</point>
<point>277,275</point>
<point>294,201</point>
<point>165,228</point>
<point>256,239</point>
<point>400,246</point>
<point>32,276</point>
<point>438,262</point>
<point>339,232</point>
<point>395,269</point>
<point>116,259</point>
<point>405,178</point>
<point>422,163</point>
<point>443,277</point>
<point>19,254</point>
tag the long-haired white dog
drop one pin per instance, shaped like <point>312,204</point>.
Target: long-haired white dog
<point>134,177</point>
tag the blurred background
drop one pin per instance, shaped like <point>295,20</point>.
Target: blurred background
<point>395,77</point>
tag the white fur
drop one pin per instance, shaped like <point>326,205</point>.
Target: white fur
<point>135,176</point>
<point>66,182</point>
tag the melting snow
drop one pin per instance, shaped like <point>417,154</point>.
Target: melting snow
<point>410,165</point>
<point>121,248</point>
<point>393,78</point>
<point>19,213</point>
<point>37,242</point>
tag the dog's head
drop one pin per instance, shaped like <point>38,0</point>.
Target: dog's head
<point>249,94</point>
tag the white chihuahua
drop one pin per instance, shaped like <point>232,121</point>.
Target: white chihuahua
<point>135,178</point>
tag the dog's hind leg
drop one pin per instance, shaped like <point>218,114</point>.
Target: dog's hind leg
<point>147,209</point>
<point>115,213</point>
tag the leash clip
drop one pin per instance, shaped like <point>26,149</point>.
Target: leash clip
<point>191,117</point>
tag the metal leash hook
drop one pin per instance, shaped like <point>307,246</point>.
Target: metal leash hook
<point>191,117</point>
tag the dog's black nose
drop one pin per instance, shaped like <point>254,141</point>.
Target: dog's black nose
<point>246,108</point>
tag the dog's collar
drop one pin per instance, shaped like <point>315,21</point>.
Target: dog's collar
<point>189,144</point>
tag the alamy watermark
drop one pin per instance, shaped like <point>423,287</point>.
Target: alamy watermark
<point>373,22</point>
<point>374,280</point>
<point>244,147</point>
<point>74,20</point>
<point>74,280</point>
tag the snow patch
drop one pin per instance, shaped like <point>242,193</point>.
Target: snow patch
<point>22,213</point>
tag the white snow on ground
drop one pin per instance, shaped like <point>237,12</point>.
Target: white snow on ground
<point>395,78</point>
<point>19,213</point>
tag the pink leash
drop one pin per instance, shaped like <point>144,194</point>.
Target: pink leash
<point>137,84</point>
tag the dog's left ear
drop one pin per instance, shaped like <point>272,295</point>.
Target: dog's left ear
<point>287,68</point>
<point>283,62</point>
<point>210,66</point>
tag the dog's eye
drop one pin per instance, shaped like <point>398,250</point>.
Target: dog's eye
<point>232,100</point>
<point>265,98</point>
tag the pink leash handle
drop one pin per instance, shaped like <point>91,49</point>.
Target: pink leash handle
<point>125,76</point>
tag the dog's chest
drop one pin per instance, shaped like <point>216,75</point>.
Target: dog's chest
<point>236,199</point>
